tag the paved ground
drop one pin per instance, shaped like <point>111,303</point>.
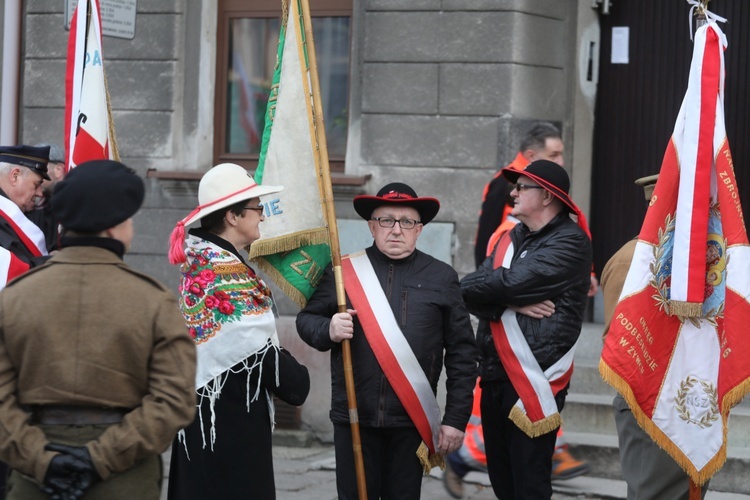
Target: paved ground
<point>308,473</point>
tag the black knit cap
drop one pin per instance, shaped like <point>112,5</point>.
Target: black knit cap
<point>97,195</point>
<point>397,193</point>
<point>34,158</point>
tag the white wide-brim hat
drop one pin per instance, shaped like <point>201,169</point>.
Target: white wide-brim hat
<point>222,186</point>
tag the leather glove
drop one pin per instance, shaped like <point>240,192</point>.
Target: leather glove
<point>84,476</point>
<point>61,478</point>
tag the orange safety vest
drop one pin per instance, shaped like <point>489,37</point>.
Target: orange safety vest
<point>472,451</point>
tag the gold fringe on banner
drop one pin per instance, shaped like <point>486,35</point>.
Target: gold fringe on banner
<point>288,242</point>
<point>284,12</point>
<point>735,396</point>
<point>534,429</point>
<point>275,276</point>
<point>698,476</point>
<point>429,461</point>
<point>685,309</point>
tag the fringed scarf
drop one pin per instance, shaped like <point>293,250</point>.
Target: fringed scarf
<point>228,311</point>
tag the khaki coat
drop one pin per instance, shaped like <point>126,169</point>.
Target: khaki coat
<point>85,329</point>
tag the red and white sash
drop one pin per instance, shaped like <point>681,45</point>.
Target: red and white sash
<point>535,413</point>
<point>30,235</point>
<point>390,347</point>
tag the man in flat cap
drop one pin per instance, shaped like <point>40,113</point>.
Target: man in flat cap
<point>405,318</point>
<point>529,296</point>
<point>95,389</point>
<point>22,243</point>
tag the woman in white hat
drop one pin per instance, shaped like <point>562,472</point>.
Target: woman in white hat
<point>226,451</point>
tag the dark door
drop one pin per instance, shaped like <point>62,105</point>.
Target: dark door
<point>637,105</point>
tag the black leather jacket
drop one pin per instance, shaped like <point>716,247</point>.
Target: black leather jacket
<point>553,263</point>
<point>426,300</point>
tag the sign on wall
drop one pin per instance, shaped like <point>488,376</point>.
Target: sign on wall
<point>118,17</point>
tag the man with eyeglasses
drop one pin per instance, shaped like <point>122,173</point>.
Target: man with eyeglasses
<point>529,296</point>
<point>22,244</point>
<point>405,319</point>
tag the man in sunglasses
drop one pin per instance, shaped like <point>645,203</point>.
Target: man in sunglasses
<point>529,296</point>
<point>405,318</point>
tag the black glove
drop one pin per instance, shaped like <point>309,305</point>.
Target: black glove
<point>80,469</point>
<point>62,477</point>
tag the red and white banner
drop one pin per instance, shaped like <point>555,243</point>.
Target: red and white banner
<point>535,412</point>
<point>29,234</point>
<point>87,135</point>
<point>396,359</point>
<point>677,345</point>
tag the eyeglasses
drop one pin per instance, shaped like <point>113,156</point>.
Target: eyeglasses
<point>520,187</point>
<point>390,222</point>
<point>257,209</point>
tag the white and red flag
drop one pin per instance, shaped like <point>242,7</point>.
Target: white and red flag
<point>677,345</point>
<point>87,132</point>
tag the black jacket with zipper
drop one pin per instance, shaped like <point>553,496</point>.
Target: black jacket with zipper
<point>553,263</point>
<point>426,301</point>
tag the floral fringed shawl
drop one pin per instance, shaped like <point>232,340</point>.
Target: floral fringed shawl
<point>228,311</point>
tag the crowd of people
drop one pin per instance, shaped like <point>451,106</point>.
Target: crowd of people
<point>96,388</point>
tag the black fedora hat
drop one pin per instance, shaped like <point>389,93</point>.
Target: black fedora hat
<point>554,179</point>
<point>547,174</point>
<point>397,193</point>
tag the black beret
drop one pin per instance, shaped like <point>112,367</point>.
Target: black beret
<point>97,195</point>
<point>32,157</point>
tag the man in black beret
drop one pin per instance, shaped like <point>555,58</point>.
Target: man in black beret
<point>22,243</point>
<point>95,389</point>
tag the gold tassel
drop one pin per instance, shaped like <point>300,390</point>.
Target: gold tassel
<point>534,429</point>
<point>685,309</point>
<point>429,461</point>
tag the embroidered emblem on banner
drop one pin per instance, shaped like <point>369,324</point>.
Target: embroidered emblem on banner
<point>697,402</point>
<point>716,264</point>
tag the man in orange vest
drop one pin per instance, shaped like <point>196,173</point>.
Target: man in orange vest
<point>542,142</point>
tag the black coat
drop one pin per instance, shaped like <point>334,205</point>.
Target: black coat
<point>10,241</point>
<point>424,295</point>
<point>553,263</point>
<point>239,464</point>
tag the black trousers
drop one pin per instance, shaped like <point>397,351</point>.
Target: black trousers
<point>392,469</point>
<point>519,467</point>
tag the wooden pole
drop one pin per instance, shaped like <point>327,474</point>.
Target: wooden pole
<point>695,490</point>
<point>330,211</point>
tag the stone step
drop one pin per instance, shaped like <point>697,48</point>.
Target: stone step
<point>602,454</point>
<point>587,380</point>
<point>589,347</point>
<point>592,413</point>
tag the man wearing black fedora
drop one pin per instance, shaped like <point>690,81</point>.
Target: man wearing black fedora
<point>22,243</point>
<point>529,296</point>
<point>405,319</point>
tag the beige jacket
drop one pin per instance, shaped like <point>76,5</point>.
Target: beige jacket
<point>85,329</point>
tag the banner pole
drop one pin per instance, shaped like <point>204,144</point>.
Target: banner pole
<point>695,490</point>
<point>330,211</point>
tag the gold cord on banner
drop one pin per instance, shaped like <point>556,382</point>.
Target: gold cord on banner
<point>111,122</point>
